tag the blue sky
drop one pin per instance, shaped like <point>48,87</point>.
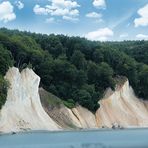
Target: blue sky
<point>94,19</point>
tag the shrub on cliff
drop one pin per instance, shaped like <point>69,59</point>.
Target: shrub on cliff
<point>4,85</point>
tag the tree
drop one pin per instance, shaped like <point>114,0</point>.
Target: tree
<point>84,99</point>
<point>93,73</point>
<point>98,56</point>
<point>3,90</point>
<point>143,82</point>
<point>105,77</point>
<point>6,60</point>
<point>78,59</point>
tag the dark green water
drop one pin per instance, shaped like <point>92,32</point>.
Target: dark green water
<point>127,138</point>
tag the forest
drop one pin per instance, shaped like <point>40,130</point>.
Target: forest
<point>73,68</point>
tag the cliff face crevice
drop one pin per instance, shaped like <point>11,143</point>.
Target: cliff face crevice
<point>23,109</point>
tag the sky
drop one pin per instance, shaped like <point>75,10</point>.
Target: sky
<point>101,20</point>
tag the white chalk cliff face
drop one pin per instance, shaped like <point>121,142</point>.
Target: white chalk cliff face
<point>79,117</point>
<point>23,109</point>
<point>122,107</point>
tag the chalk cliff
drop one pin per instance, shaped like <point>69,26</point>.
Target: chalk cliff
<point>122,107</point>
<point>118,108</point>
<point>78,117</point>
<point>23,109</point>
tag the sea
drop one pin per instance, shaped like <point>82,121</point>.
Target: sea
<point>105,138</point>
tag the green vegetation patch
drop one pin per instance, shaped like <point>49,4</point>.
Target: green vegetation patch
<point>4,85</point>
<point>69,103</point>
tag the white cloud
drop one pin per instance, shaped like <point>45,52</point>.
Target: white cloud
<point>19,4</point>
<point>100,35</point>
<point>124,35</point>
<point>143,19</point>
<point>64,4</point>
<point>101,4</point>
<point>50,20</point>
<point>94,15</point>
<point>6,12</point>
<point>39,10</point>
<point>70,18</point>
<point>67,9</point>
<point>142,36</point>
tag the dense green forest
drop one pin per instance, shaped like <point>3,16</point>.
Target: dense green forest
<point>75,69</point>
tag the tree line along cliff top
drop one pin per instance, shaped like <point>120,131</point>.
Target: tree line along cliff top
<point>72,68</point>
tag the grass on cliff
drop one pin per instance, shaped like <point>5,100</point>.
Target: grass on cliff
<point>48,99</point>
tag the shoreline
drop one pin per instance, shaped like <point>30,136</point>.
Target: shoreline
<point>72,131</point>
